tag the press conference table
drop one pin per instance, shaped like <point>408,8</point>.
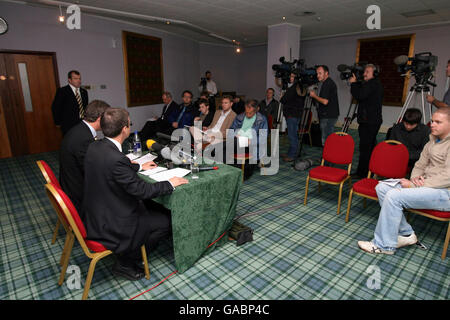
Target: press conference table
<point>202,211</point>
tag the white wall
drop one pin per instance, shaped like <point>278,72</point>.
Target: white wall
<point>90,51</point>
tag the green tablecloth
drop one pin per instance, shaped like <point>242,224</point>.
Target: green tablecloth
<point>202,211</point>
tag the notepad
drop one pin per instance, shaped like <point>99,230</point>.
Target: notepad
<point>391,182</point>
<point>148,157</point>
<point>152,171</point>
<point>169,174</point>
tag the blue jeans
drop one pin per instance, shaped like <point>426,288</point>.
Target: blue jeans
<point>392,222</point>
<point>292,127</point>
<point>326,127</point>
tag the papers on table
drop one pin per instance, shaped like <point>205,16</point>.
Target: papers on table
<point>169,174</point>
<point>152,171</point>
<point>131,156</point>
<point>148,157</point>
<point>391,182</point>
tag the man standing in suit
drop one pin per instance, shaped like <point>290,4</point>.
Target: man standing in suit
<point>116,213</point>
<point>73,149</point>
<point>160,124</point>
<point>70,102</point>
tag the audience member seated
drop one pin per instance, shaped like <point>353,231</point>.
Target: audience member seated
<point>73,149</point>
<point>160,124</point>
<point>205,115</point>
<point>184,116</point>
<point>412,133</point>
<point>269,106</point>
<point>118,212</point>
<point>223,119</point>
<point>247,134</point>
<point>428,188</point>
<point>238,105</point>
<point>203,95</point>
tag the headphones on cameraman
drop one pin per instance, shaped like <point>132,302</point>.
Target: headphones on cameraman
<point>376,70</point>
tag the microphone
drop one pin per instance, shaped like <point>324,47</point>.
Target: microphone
<point>207,168</point>
<point>166,136</point>
<point>342,67</point>
<point>154,146</point>
<point>166,153</point>
<point>401,60</point>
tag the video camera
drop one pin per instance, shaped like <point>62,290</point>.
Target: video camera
<point>347,71</point>
<point>422,66</point>
<point>303,75</point>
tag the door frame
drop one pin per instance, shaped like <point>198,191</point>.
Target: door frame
<point>17,128</point>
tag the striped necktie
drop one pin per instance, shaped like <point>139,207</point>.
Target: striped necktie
<point>80,103</point>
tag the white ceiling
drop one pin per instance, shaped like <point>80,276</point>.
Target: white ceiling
<point>246,21</point>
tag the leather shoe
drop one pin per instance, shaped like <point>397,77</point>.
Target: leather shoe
<point>131,273</point>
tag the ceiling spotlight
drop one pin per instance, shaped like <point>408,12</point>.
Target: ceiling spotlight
<point>238,50</point>
<point>61,17</point>
<point>284,18</point>
<point>167,22</point>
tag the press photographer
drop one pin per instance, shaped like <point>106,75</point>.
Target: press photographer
<point>369,93</point>
<point>328,109</point>
<point>446,100</point>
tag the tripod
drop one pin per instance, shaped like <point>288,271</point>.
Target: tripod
<point>304,123</point>
<point>414,92</point>
<point>348,120</point>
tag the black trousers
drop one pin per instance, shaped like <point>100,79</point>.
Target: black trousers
<point>367,141</point>
<point>154,226</point>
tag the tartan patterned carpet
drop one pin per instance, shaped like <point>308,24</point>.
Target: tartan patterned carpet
<point>298,252</point>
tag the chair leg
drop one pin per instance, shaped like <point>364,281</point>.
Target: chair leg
<point>319,187</point>
<point>310,139</point>
<point>144,258</point>
<point>87,285</point>
<point>243,168</point>
<point>55,232</point>
<point>447,239</point>
<point>64,252</point>
<point>66,260</point>
<point>349,205</point>
<point>364,203</point>
<point>340,197</point>
<point>306,190</point>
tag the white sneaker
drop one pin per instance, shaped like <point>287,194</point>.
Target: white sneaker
<point>406,241</point>
<point>370,247</point>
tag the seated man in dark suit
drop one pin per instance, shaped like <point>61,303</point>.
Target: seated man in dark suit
<point>116,213</point>
<point>73,150</point>
<point>70,102</point>
<point>413,134</point>
<point>238,105</point>
<point>184,116</point>
<point>160,124</point>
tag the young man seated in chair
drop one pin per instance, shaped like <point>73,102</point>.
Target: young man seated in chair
<point>428,188</point>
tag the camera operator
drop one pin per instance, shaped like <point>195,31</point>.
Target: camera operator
<point>207,84</point>
<point>293,101</point>
<point>328,109</point>
<point>446,102</point>
<point>369,94</point>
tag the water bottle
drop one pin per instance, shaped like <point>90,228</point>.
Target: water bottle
<point>137,147</point>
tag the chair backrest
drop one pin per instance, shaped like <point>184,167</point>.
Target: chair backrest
<point>270,122</point>
<point>66,208</point>
<point>389,159</point>
<point>47,172</point>
<point>339,148</point>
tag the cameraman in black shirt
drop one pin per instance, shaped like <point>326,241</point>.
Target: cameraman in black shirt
<point>369,94</point>
<point>293,102</point>
<point>328,109</point>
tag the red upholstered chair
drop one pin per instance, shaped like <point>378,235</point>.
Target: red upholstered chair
<point>389,159</point>
<point>50,177</point>
<point>338,149</point>
<point>440,216</point>
<point>270,122</point>
<point>93,250</point>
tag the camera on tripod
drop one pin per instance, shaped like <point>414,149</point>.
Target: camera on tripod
<point>422,66</point>
<point>203,82</point>
<point>303,75</point>
<point>347,71</point>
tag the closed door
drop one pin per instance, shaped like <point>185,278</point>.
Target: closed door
<point>27,93</point>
